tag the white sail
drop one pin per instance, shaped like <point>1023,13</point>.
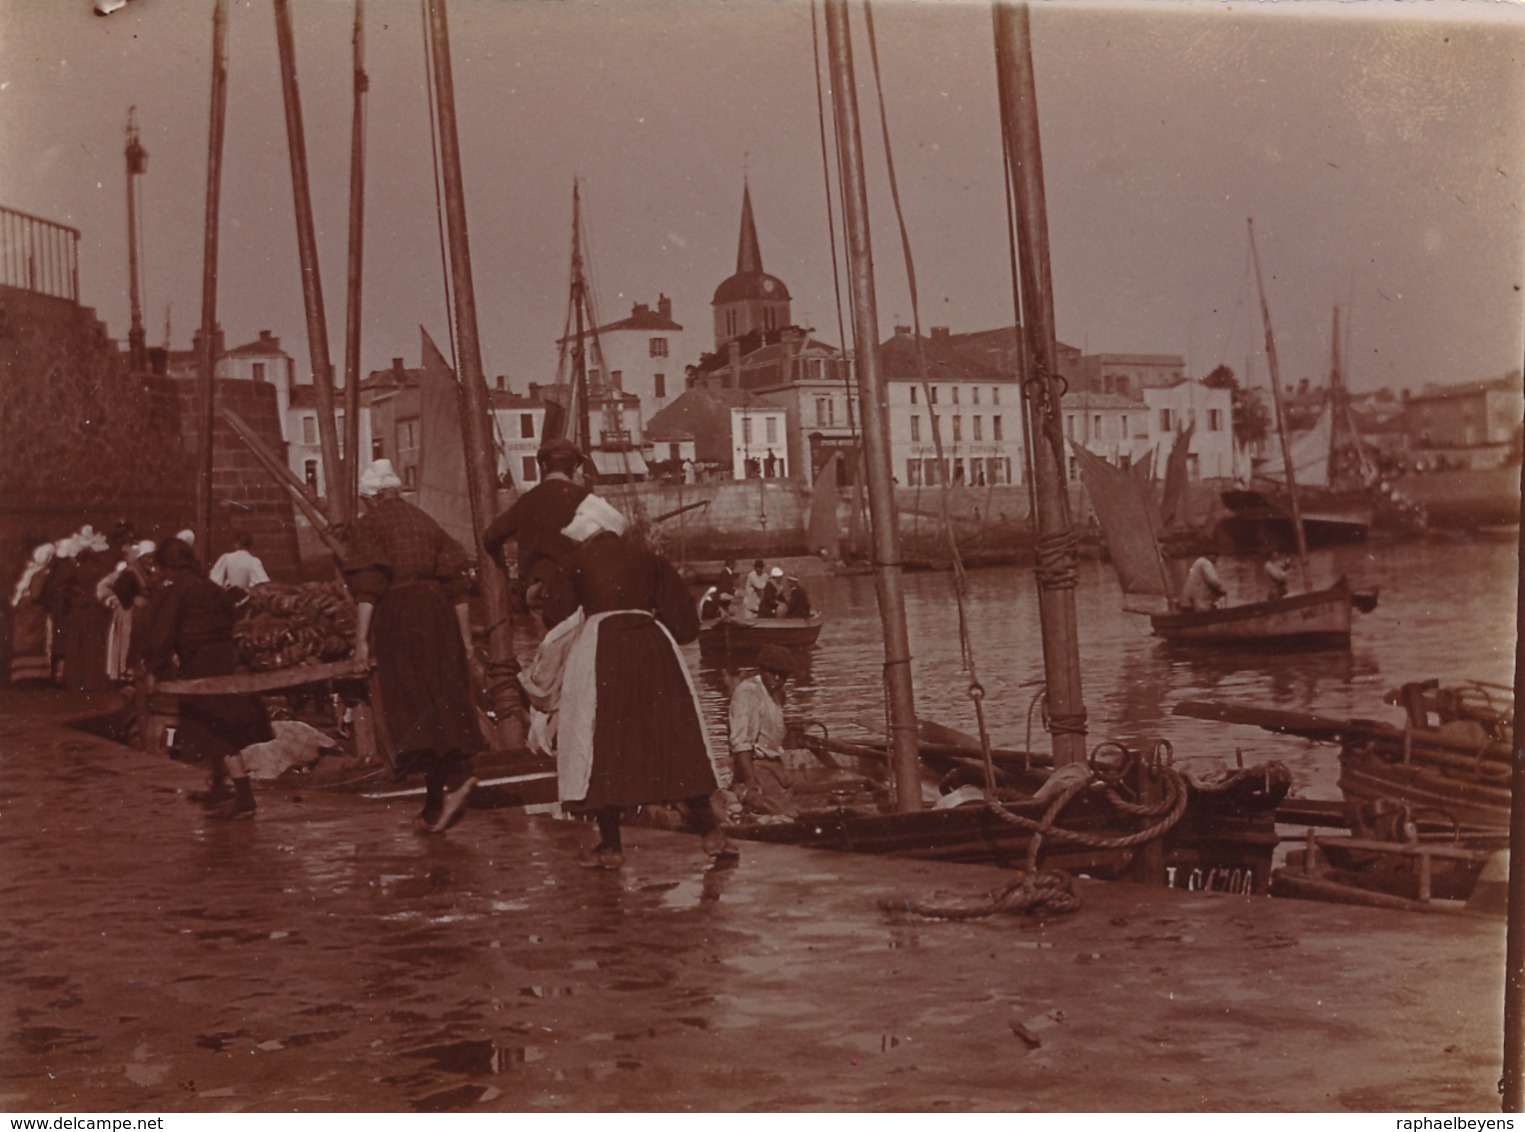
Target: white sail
<point>1310,455</point>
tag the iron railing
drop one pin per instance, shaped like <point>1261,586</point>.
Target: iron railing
<point>39,255</point>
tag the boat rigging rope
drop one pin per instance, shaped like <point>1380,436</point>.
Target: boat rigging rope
<point>1051,890</point>
<point>976,690</point>
<point>439,204</point>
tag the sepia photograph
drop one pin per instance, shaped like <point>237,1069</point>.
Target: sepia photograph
<point>776,556</point>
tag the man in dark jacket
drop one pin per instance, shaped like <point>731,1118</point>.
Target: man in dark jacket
<point>535,520</point>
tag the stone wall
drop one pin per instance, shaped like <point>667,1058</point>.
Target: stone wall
<point>81,441</point>
<point>84,441</point>
<point>245,497</point>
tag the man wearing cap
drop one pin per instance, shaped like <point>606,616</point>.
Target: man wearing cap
<point>406,574</point>
<point>793,601</point>
<point>758,731</point>
<point>536,520</point>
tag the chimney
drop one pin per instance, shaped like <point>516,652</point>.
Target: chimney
<point>269,340</point>
<point>940,335</point>
<point>534,393</point>
<point>639,309</point>
<point>902,332</point>
<point>397,366</point>
<point>502,381</point>
<point>664,307</point>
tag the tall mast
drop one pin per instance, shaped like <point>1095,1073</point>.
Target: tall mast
<point>871,391</point>
<point>312,281</point>
<point>579,349</point>
<point>1281,415</point>
<point>208,407</point>
<point>1057,542</point>
<point>481,458</point>
<point>137,165</point>
<point>350,479</point>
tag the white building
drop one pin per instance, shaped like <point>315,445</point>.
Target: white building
<point>978,412</point>
<point>642,355</point>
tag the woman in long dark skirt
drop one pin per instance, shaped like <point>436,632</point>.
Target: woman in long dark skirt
<point>191,617</point>
<point>410,583</point>
<point>629,730</point>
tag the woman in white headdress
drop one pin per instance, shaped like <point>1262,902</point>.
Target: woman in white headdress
<point>31,627</point>
<point>629,729</point>
<point>410,581</point>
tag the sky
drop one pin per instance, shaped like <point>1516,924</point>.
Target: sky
<point>1379,146</point>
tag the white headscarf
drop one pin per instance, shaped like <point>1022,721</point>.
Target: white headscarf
<point>379,476</point>
<point>594,514</point>
<point>42,558</point>
<point>142,549</point>
<point>187,536</point>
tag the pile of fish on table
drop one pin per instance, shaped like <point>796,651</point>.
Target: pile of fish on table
<point>282,626</point>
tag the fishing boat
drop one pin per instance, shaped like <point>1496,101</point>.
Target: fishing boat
<point>1448,763</point>
<point>929,793</point>
<point>737,636</point>
<point>1342,496</point>
<point>1129,515</point>
<point>1127,511</point>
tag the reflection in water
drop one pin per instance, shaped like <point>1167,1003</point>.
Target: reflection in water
<point>1446,610</point>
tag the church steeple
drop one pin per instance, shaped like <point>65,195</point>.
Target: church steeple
<point>748,253</point>
<point>750,300</point>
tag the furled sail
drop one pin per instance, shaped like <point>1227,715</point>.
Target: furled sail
<point>443,491</point>
<point>823,533</point>
<point>1129,516</point>
<point>1310,455</point>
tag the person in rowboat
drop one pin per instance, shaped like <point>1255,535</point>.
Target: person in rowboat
<point>1204,589</point>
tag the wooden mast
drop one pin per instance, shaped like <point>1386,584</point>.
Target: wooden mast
<point>353,458</point>
<point>1281,416</point>
<point>579,348</point>
<point>208,359</point>
<point>1056,540</point>
<point>871,393</point>
<point>481,459</point>
<point>337,499</point>
<point>137,165</point>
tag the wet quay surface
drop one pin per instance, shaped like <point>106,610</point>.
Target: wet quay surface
<point>325,957</point>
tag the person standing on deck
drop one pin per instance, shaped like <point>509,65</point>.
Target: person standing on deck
<point>240,569</point>
<point>406,574</point>
<point>757,734</point>
<point>629,730</point>
<point>535,519</point>
<point>1204,589</point>
<point>191,618</point>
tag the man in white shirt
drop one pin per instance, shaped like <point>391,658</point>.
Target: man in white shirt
<point>758,734</point>
<point>1204,589</point>
<point>240,569</point>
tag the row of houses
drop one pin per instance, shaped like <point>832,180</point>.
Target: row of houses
<point>772,400</point>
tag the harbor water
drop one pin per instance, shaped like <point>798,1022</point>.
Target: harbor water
<point>1446,610</point>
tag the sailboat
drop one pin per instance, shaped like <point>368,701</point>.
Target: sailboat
<point>1005,806</point>
<point>1128,512</point>
<point>1342,495</point>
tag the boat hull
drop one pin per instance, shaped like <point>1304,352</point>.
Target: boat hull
<point>1320,619</point>
<point>733,637</point>
<point>1367,776</point>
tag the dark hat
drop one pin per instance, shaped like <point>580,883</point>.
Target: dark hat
<point>758,563</point>
<point>558,444</point>
<point>776,658</point>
